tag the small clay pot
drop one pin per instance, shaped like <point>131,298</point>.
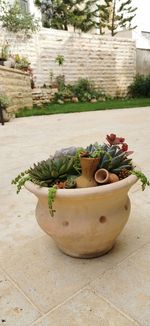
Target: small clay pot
<point>88,166</point>
<point>113,177</point>
<point>102,176</point>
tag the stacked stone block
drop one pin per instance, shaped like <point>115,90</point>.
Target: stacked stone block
<point>43,96</point>
<point>109,62</point>
<point>16,85</point>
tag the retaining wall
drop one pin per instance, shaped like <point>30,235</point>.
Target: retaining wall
<point>16,84</point>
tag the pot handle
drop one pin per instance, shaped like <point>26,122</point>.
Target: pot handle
<point>35,189</point>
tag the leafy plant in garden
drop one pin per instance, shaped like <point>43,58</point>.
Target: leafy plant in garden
<point>60,59</point>
<point>60,79</point>
<point>64,93</point>
<point>4,101</point>
<point>85,90</point>
<point>14,19</point>
<point>140,86</point>
<point>4,51</point>
<point>21,62</point>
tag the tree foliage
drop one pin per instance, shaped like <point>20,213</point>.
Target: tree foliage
<point>60,14</point>
<point>14,19</point>
<point>115,14</point>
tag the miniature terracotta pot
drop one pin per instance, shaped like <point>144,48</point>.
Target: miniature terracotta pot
<point>87,221</point>
<point>88,166</point>
<point>102,176</point>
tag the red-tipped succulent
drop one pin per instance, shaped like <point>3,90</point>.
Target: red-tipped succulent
<point>114,140</point>
<point>124,147</point>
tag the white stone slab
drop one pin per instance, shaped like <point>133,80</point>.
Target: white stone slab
<point>15,309</point>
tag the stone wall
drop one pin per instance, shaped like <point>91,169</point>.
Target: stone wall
<point>109,62</point>
<point>43,95</point>
<point>143,61</point>
<point>16,85</point>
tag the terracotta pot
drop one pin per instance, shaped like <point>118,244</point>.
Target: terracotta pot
<point>88,166</point>
<point>102,176</point>
<point>87,221</point>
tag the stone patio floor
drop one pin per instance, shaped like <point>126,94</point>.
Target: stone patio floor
<point>41,286</point>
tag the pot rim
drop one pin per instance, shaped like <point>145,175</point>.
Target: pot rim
<point>77,192</point>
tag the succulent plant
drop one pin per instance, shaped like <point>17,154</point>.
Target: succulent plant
<point>70,183</point>
<point>94,150</point>
<point>47,172</point>
<point>60,171</point>
<point>51,197</point>
<point>124,173</point>
<point>69,151</point>
<point>114,159</point>
<point>142,177</point>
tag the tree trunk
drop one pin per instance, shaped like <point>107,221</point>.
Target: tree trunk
<point>113,19</point>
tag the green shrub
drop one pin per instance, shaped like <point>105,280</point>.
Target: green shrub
<point>60,59</point>
<point>85,90</point>
<point>21,62</point>
<point>64,93</point>
<point>4,51</point>
<point>4,101</point>
<point>140,87</point>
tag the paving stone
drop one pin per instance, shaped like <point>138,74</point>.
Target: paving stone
<point>47,276</point>
<point>15,309</point>
<point>86,309</point>
<point>18,226</point>
<point>128,286</point>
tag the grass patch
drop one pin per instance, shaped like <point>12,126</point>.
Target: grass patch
<point>83,107</point>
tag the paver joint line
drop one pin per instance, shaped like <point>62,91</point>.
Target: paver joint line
<point>20,290</point>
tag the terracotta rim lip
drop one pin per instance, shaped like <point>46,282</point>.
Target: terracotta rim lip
<point>77,192</point>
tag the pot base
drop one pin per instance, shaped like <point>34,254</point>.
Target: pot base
<point>87,255</point>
